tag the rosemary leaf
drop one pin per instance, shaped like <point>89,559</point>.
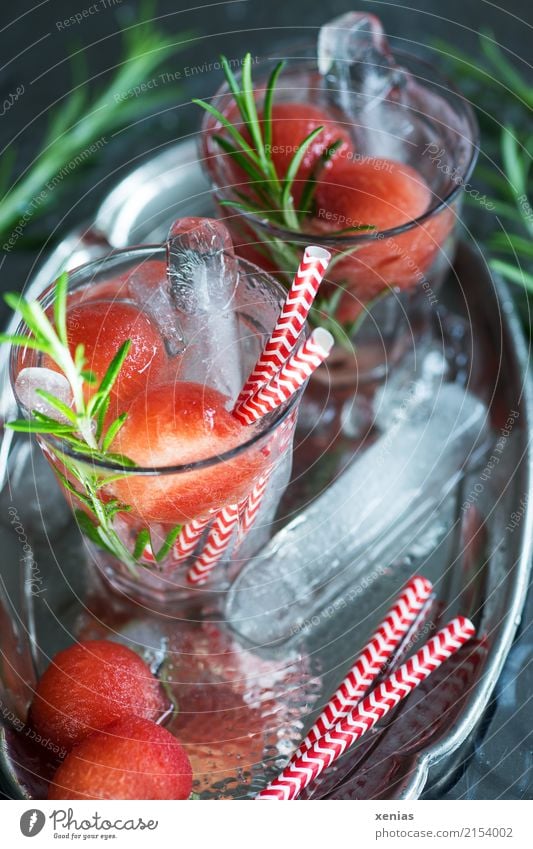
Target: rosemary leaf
<point>109,379</point>
<point>170,539</point>
<point>296,161</point>
<point>91,531</point>
<point>512,243</point>
<point>112,431</point>
<point>121,460</point>
<point>89,376</point>
<point>267,106</point>
<point>72,489</point>
<point>32,426</point>
<point>60,307</point>
<point>24,342</point>
<point>251,109</point>
<point>513,273</point>
<point>234,133</point>
<point>142,540</point>
<point>102,413</point>
<point>62,408</point>
<point>234,87</point>
<point>310,185</point>
<point>507,75</point>
<point>239,158</point>
<point>79,357</point>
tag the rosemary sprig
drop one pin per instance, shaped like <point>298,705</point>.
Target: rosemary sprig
<point>85,118</point>
<point>78,426</point>
<point>272,195</point>
<point>81,427</point>
<point>509,150</point>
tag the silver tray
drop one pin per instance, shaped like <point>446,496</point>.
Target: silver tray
<point>480,565</point>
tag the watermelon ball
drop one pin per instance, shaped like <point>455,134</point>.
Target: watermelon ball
<point>102,327</point>
<point>132,758</point>
<point>291,124</point>
<point>89,685</point>
<point>380,192</point>
<point>385,194</point>
<point>175,424</point>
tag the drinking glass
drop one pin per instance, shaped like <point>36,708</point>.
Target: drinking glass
<point>137,549</point>
<point>390,280</point>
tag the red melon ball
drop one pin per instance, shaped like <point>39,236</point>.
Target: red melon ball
<point>291,124</point>
<point>385,194</point>
<point>102,327</point>
<point>379,192</point>
<point>89,685</point>
<point>132,758</point>
<point>175,424</point>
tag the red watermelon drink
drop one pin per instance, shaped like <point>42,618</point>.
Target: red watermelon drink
<point>365,151</point>
<point>153,345</point>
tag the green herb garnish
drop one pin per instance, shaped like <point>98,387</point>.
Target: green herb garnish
<point>508,148</point>
<point>271,196</point>
<point>81,427</point>
<point>84,123</point>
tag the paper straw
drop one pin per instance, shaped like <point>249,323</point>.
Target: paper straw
<point>298,368</point>
<point>252,504</point>
<point>387,695</point>
<point>189,536</point>
<point>291,320</point>
<point>217,543</point>
<point>371,661</point>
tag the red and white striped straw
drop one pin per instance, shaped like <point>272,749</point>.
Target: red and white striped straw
<point>292,375</point>
<point>371,661</point>
<point>291,320</point>
<point>189,536</point>
<point>216,544</point>
<point>252,504</point>
<point>300,773</point>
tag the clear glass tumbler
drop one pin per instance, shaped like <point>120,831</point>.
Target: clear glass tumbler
<point>427,126</point>
<point>146,528</point>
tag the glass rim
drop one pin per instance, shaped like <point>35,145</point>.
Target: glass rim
<point>60,446</point>
<point>436,78</point>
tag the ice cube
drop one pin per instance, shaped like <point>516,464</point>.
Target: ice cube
<point>414,381</point>
<point>29,380</point>
<point>152,294</point>
<point>362,520</point>
<point>363,80</point>
<point>355,60</point>
<point>203,275</point>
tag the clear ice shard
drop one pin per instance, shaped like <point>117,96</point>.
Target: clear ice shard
<point>355,61</point>
<point>154,298</point>
<point>203,274</point>
<point>30,380</point>
<point>362,521</point>
<point>361,78</point>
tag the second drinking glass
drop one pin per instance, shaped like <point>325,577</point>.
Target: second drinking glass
<point>380,184</point>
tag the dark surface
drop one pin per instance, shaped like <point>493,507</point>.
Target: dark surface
<point>503,752</point>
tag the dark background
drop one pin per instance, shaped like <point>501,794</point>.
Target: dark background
<point>35,51</point>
